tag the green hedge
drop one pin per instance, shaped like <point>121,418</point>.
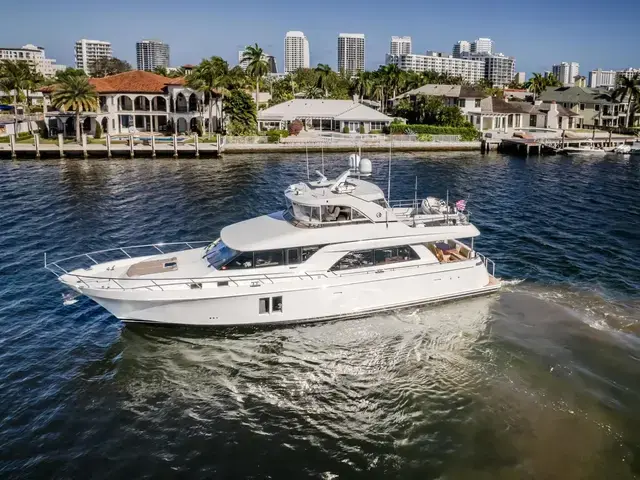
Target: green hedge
<point>466,133</point>
<point>274,136</point>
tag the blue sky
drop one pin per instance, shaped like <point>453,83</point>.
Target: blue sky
<point>538,34</point>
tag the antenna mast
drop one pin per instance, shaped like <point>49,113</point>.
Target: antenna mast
<point>389,179</point>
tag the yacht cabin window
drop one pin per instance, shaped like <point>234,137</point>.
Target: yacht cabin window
<point>326,215</point>
<point>267,258</point>
<point>379,256</point>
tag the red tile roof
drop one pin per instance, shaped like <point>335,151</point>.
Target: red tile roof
<point>135,81</point>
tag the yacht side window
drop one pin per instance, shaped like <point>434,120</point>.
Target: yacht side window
<point>268,258</point>
<point>384,256</point>
<point>244,260</point>
<point>293,256</point>
<point>308,251</point>
<point>382,202</point>
<point>339,213</point>
<point>360,259</point>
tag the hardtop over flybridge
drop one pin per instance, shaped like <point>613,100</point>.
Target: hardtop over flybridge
<point>339,250</point>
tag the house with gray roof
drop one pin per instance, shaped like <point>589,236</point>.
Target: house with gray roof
<point>500,114</point>
<point>593,105</point>
<point>323,115</point>
<point>464,96</point>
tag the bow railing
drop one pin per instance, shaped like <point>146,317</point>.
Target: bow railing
<point>83,260</point>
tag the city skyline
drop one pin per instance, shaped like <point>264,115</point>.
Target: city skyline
<point>537,45</point>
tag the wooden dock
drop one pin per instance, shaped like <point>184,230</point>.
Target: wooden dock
<point>549,145</point>
<point>130,148</point>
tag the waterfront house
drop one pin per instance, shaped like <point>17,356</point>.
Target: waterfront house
<point>593,106</point>
<point>466,97</point>
<point>500,114</point>
<point>323,115</point>
<point>137,101</point>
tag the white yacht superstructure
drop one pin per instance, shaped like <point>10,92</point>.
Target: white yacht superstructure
<point>338,251</point>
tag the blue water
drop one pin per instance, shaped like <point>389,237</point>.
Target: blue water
<point>539,381</point>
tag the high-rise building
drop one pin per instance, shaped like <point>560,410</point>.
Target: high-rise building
<point>521,77</point>
<point>566,73</point>
<point>270,59</point>
<point>602,78</point>
<point>469,70</point>
<point>33,55</point>
<point>461,48</point>
<point>88,51</point>
<point>152,54</point>
<point>482,45</point>
<point>499,69</point>
<point>296,51</point>
<point>628,73</point>
<point>400,46</point>
<point>351,52</point>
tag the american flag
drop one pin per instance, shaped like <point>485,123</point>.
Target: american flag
<point>461,205</point>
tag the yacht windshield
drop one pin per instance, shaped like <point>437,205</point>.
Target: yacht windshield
<point>220,254</point>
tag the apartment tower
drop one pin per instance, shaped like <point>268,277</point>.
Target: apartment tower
<point>296,51</point>
<point>351,52</point>
<point>566,73</point>
<point>88,51</point>
<point>400,46</point>
<point>152,54</point>
<point>461,48</point>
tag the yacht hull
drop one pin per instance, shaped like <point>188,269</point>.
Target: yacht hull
<point>340,297</point>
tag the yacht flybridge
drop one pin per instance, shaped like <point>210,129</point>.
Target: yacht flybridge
<point>339,250</point>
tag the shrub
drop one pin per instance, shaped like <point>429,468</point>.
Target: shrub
<point>199,129</point>
<point>274,136</point>
<point>375,132</point>
<point>98,132</point>
<point>425,137</point>
<point>361,129</point>
<point>466,133</point>
<point>345,129</point>
<point>295,127</point>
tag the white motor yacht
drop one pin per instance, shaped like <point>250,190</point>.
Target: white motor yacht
<point>338,251</point>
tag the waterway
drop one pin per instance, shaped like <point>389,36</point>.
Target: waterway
<point>539,381</point>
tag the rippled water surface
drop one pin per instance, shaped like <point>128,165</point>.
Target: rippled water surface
<point>540,381</point>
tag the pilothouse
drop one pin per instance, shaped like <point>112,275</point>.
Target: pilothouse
<point>339,250</point>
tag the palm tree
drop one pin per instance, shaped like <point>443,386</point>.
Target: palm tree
<point>629,88</point>
<point>361,84</point>
<point>325,78</point>
<point>536,84</point>
<point>34,80</point>
<point>77,94</point>
<point>393,77</point>
<point>552,81</point>
<point>14,78</point>
<point>211,77</point>
<point>161,71</point>
<point>257,66</point>
<point>313,92</point>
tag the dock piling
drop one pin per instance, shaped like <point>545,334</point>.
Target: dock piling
<point>12,143</point>
<point>131,154</point>
<point>36,143</point>
<point>61,144</point>
<point>108,143</point>
<point>153,146</point>
<point>84,145</point>
<point>195,142</point>
<point>175,146</point>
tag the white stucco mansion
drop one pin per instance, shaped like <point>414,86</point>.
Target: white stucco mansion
<point>138,101</point>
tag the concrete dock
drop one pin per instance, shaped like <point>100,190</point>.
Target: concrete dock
<point>132,147</point>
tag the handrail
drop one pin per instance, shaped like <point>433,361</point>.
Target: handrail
<point>49,265</point>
